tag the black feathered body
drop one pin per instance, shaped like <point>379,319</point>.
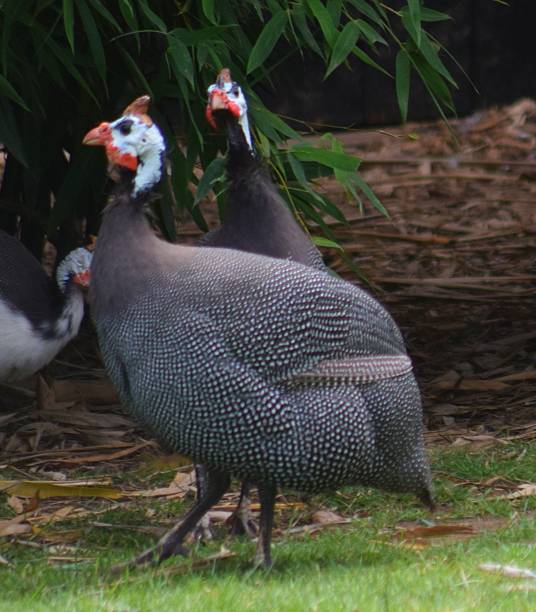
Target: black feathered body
<point>37,319</point>
<point>257,220</point>
<point>25,286</point>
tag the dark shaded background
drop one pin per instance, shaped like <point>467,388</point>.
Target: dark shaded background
<point>495,44</point>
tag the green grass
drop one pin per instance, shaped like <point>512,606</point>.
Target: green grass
<point>360,567</point>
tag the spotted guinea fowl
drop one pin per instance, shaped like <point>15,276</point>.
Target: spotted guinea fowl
<point>256,220</point>
<point>37,316</point>
<point>258,368</point>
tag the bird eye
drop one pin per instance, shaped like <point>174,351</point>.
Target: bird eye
<point>125,128</point>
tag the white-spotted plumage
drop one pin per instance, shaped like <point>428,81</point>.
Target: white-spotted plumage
<point>213,350</point>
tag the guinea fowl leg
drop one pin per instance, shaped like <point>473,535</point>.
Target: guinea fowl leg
<point>202,531</point>
<point>267,494</point>
<point>241,521</point>
<point>170,544</point>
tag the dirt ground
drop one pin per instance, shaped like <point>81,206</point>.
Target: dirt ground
<point>454,264</point>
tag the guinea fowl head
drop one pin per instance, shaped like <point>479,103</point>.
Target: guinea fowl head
<point>227,104</point>
<point>74,269</point>
<point>133,143</point>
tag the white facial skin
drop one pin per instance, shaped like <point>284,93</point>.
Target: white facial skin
<point>77,261</point>
<point>132,136</point>
<point>235,95</point>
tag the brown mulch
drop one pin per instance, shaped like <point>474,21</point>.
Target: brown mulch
<point>454,264</point>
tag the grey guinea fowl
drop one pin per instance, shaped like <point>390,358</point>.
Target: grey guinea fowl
<point>256,219</point>
<point>37,315</point>
<point>256,367</point>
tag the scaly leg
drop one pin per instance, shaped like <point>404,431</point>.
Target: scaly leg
<point>267,493</point>
<point>171,543</point>
<point>202,531</point>
<point>241,521</point>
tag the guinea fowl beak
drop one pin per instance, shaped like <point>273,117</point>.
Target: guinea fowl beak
<point>99,136</point>
<point>82,279</point>
<point>218,101</point>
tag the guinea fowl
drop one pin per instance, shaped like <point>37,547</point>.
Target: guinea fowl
<point>263,369</point>
<point>257,219</point>
<point>37,316</point>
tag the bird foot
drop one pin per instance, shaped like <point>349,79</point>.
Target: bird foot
<point>239,525</point>
<point>203,531</point>
<point>241,522</point>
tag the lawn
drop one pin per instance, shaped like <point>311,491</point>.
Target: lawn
<point>384,559</point>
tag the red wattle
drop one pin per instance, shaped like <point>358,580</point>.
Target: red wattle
<point>121,159</point>
<point>210,117</point>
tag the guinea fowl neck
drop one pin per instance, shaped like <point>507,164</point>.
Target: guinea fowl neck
<point>240,157</point>
<point>124,259</point>
<point>72,310</point>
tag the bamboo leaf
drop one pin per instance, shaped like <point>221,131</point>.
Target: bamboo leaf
<point>321,241</point>
<point>300,20</point>
<point>370,33</point>
<point>267,40</point>
<point>370,195</point>
<point>402,76</point>
<point>428,14</point>
<point>8,90</point>
<point>125,6</point>
<point>134,68</point>
<point>323,17</point>
<point>213,173</point>
<point>68,22</point>
<point>93,36</point>
<point>415,17</point>
<point>180,59</point>
<point>332,159</point>
<point>208,10</point>
<point>152,16</point>
<point>364,57</point>
<point>432,57</point>
<point>102,10</point>
<point>368,11</point>
<point>346,41</point>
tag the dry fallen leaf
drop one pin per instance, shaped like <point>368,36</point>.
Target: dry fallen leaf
<point>511,571</point>
<point>14,526</point>
<point>325,517</point>
<point>524,490</point>
<point>436,531</point>
<point>105,457</point>
<point>520,586</point>
<point>15,503</point>
<point>49,488</point>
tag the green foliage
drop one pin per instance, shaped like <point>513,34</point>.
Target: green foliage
<point>67,64</point>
